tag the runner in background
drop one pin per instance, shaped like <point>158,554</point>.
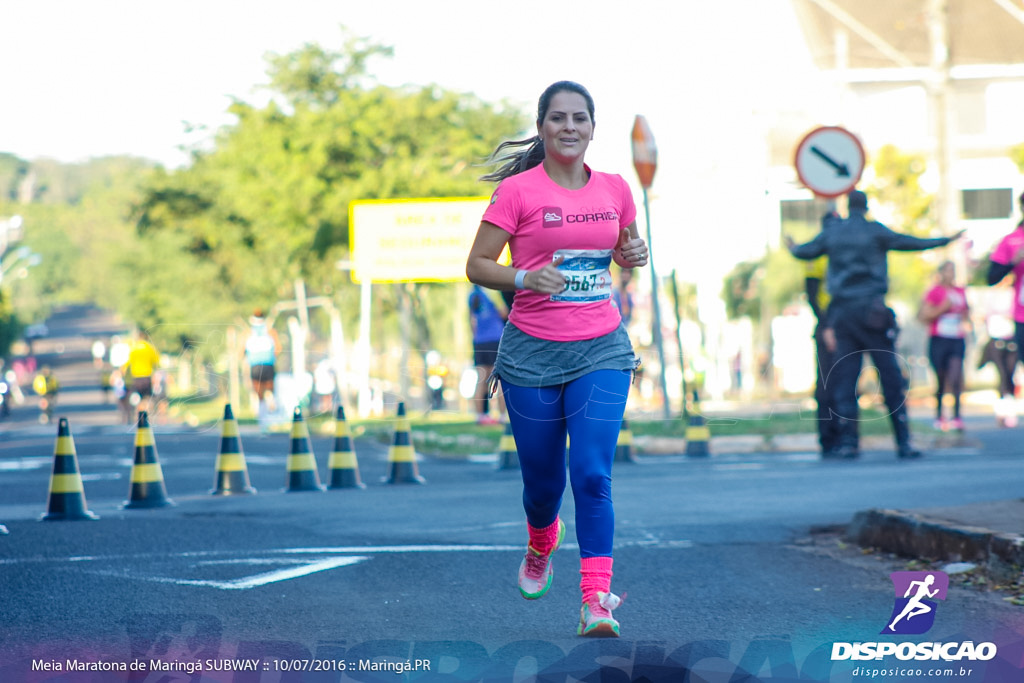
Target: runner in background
<point>261,349</point>
<point>143,360</point>
<point>945,311</point>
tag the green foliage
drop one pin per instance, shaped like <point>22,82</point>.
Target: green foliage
<point>186,252</point>
<point>1017,155</point>
<point>741,291</point>
<point>767,286</point>
<point>269,204</point>
<point>12,174</point>
<point>897,185</point>
<point>10,326</point>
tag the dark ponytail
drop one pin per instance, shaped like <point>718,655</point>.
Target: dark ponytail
<point>516,156</point>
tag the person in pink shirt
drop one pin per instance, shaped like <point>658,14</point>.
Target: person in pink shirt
<point>1007,258</point>
<point>947,315</point>
<point>565,361</point>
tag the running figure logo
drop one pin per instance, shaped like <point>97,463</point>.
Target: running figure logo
<point>914,609</point>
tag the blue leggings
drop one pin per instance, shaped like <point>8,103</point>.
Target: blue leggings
<point>590,410</point>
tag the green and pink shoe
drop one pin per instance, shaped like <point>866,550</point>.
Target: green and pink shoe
<point>535,572</point>
<point>596,617</point>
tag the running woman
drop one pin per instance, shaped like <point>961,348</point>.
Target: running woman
<point>945,311</point>
<point>1007,259</point>
<point>565,361</point>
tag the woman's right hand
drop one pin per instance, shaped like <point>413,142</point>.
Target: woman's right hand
<point>547,280</point>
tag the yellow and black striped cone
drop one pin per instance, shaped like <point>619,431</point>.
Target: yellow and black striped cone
<point>232,476</point>
<point>508,456</point>
<point>67,495</point>
<point>302,472</point>
<point>343,465</point>
<point>401,455</point>
<point>624,445</point>
<point>698,435</point>
<point>148,490</point>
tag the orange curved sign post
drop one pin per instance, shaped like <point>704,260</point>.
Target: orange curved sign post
<point>645,152</point>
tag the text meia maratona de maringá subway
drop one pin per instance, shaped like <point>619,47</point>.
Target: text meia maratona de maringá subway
<point>188,667</point>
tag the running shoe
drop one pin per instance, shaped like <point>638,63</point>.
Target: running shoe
<point>535,572</point>
<point>941,424</point>
<point>596,619</point>
<point>956,424</point>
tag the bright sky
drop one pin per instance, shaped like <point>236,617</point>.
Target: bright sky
<point>82,78</point>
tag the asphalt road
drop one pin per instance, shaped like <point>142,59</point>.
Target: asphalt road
<point>727,563</point>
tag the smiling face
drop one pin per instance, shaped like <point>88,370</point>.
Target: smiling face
<point>567,127</point>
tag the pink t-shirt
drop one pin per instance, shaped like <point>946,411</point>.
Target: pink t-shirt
<point>949,324</point>
<point>1003,254</point>
<point>546,220</point>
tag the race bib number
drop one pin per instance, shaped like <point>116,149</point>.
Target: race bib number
<point>949,326</point>
<point>587,275</point>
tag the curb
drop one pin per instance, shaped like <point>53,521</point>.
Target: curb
<point>920,536</point>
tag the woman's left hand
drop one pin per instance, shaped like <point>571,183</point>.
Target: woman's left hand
<point>631,252</point>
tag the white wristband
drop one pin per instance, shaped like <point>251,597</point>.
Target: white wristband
<point>521,279</point>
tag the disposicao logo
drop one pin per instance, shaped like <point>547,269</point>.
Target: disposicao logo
<point>913,613</point>
<point>916,592</point>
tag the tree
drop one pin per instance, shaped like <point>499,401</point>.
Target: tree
<point>897,186</point>
<point>268,204</point>
<point>12,174</point>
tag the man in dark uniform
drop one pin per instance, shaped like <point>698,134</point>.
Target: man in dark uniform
<point>818,298</point>
<point>859,319</point>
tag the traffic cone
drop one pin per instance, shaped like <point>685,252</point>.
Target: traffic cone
<point>697,433</point>
<point>232,474</point>
<point>302,473</point>
<point>508,456</point>
<point>624,445</point>
<point>148,489</point>
<point>401,455</point>
<point>342,463</point>
<point>67,495</point>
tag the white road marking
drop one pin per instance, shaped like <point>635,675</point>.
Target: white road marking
<point>267,577</point>
<point>99,477</point>
<point>25,464</point>
<point>738,466</point>
<point>339,556</point>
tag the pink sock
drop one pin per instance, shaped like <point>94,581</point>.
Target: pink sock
<point>544,540</point>
<point>595,576</point>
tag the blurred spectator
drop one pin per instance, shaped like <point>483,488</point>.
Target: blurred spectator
<point>487,322</point>
<point>622,296</point>
<point>45,384</point>
<point>324,385</point>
